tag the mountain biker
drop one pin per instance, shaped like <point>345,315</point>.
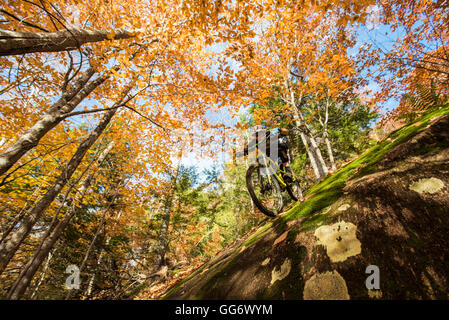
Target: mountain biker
<point>258,130</point>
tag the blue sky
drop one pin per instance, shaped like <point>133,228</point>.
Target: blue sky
<point>379,35</point>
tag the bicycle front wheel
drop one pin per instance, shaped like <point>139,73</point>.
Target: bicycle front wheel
<point>264,190</point>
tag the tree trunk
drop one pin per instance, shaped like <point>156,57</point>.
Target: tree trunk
<point>90,285</point>
<point>11,246</point>
<point>329,151</point>
<point>92,278</point>
<point>326,135</point>
<point>28,272</point>
<point>68,101</point>
<point>19,42</point>
<point>316,159</point>
<point>44,272</point>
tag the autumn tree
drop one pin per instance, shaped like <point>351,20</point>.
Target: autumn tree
<point>151,86</point>
<point>299,52</point>
<point>422,47</point>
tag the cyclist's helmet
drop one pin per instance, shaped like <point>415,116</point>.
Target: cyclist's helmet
<point>257,128</point>
<point>283,131</point>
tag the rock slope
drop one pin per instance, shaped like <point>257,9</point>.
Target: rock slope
<point>376,229</point>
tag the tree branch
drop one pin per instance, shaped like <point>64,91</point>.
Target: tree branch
<point>29,24</point>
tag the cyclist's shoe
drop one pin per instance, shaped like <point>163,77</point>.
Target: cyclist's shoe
<point>288,175</point>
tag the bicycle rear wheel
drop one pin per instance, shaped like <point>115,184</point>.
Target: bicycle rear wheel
<point>264,190</point>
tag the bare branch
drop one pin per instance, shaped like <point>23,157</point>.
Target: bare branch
<point>29,24</point>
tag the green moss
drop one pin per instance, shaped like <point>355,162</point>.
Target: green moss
<point>315,203</point>
<point>314,221</point>
<point>425,118</point>
<point>366,170</point>
<point>393,133</point>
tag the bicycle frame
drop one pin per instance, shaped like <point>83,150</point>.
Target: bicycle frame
<point>272,172</point>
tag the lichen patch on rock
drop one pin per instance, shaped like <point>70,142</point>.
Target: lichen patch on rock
<point>265,262</point>
<point>283,271</point>
<point>326,210</point>
<point>344,207</point>
<point>340,240</point>
<point>326,286</point>
<point>429,185</point>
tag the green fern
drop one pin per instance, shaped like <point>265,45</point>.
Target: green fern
<point>425,98</point>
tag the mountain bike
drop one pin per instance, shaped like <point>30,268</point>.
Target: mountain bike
<point>265,185</point>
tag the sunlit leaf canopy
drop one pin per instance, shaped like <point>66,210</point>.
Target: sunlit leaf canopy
<point>176,76</point>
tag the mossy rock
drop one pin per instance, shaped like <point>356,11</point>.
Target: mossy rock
<point>401,231</point>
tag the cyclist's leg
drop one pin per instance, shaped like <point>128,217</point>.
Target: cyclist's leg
<point>285,163</point>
